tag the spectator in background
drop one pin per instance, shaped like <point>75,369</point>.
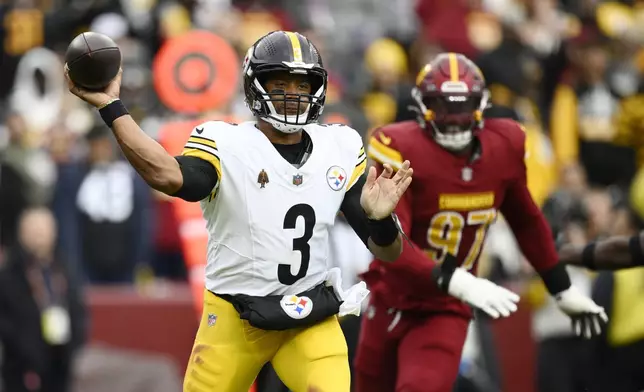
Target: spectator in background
<point>584,104</point>
<point>13,193</point>
<point>18,186</point>
<point>629,121</point>
<point>104,210</point>
<point>386,63</point>
<point>562,358</point>
<point>42,316</point>
<point>167,262</point>
<point>618,356</point>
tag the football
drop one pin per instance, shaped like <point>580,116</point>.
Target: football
<point>93,60</point>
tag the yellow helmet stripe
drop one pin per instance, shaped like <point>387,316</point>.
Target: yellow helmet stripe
<point>453,67</point>
<point>295,44</point>
<point>423,72</point>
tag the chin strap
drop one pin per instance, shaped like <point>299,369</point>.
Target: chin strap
<point>282,127</point>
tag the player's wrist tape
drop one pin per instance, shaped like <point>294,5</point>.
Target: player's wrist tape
<point>635,248</point>
<point>442,274</point>
<point>383,232</point>
<point>556,279</point>
<point>588,256</point>
<point>112,111</point>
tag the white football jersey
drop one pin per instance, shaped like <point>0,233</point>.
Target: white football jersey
<point>268,221</point>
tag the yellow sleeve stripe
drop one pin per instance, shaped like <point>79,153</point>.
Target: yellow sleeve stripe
<point>383,154</point>
<point>203,140</point>
<point>207,156</point>
<point>357,172</point>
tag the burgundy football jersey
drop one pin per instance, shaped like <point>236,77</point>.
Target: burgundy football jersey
<point>448,208</point>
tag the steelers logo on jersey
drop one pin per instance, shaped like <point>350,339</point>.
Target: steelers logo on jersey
<point>336,177</point>
<point>296,307</point>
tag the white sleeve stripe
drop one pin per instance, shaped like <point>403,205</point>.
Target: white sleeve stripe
<point>202,147</point>
<point>361,160</point>
<point>362,156</point>
<point>384,159</point>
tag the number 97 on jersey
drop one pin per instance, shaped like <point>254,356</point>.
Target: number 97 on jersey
<point>459,233</point>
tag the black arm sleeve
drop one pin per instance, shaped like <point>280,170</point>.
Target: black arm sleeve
<point>353,211</point>
<point>199,178</point>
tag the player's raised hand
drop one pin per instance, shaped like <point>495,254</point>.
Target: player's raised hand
<point>381,194</point>
<point>96,98</point>
<point>588,318</point>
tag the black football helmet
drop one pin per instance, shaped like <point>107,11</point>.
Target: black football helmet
<point>284,51</point>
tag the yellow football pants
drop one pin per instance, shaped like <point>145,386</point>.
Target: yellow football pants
<point>229,353</point>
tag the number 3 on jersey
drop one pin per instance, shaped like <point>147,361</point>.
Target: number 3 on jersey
<point>446,232</point>
<point>300,244</point>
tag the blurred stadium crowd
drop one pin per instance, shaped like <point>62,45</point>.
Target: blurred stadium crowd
<point>569,70</point>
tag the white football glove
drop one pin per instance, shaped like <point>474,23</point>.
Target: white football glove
<point>588,318</point>
<point>494,300</point>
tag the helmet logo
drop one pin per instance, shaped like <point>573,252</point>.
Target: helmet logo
<point>466,174</point>
<point>455,87</point>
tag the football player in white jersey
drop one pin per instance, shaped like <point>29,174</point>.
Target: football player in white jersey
<point>269,190</point>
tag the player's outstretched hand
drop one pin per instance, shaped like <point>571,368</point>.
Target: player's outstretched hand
<point>96,98</point>
<point>491,298</point>
<point>588,318</point>
<point>381,194</point>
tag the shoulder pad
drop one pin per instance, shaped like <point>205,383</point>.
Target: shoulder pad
<point>350,141</point>
<point>346,137</point>
<point>510,130</point>
<point>386,144</point>
<point>212,129</point>
<point>203,142</point>
<point>350,138</point>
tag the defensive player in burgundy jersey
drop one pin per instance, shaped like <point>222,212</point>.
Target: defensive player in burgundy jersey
<point>467,172</point>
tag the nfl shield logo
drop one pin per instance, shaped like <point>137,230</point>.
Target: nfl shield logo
<point>466,174</point>
<point>212,319</point>
<point>297,179</point>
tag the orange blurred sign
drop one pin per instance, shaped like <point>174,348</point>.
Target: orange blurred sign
<point>195,72</point>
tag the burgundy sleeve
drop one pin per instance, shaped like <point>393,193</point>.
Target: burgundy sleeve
<point>529,226</point>
<point>533,233</point>
<point>413,262</point>
<point>412,259</point>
